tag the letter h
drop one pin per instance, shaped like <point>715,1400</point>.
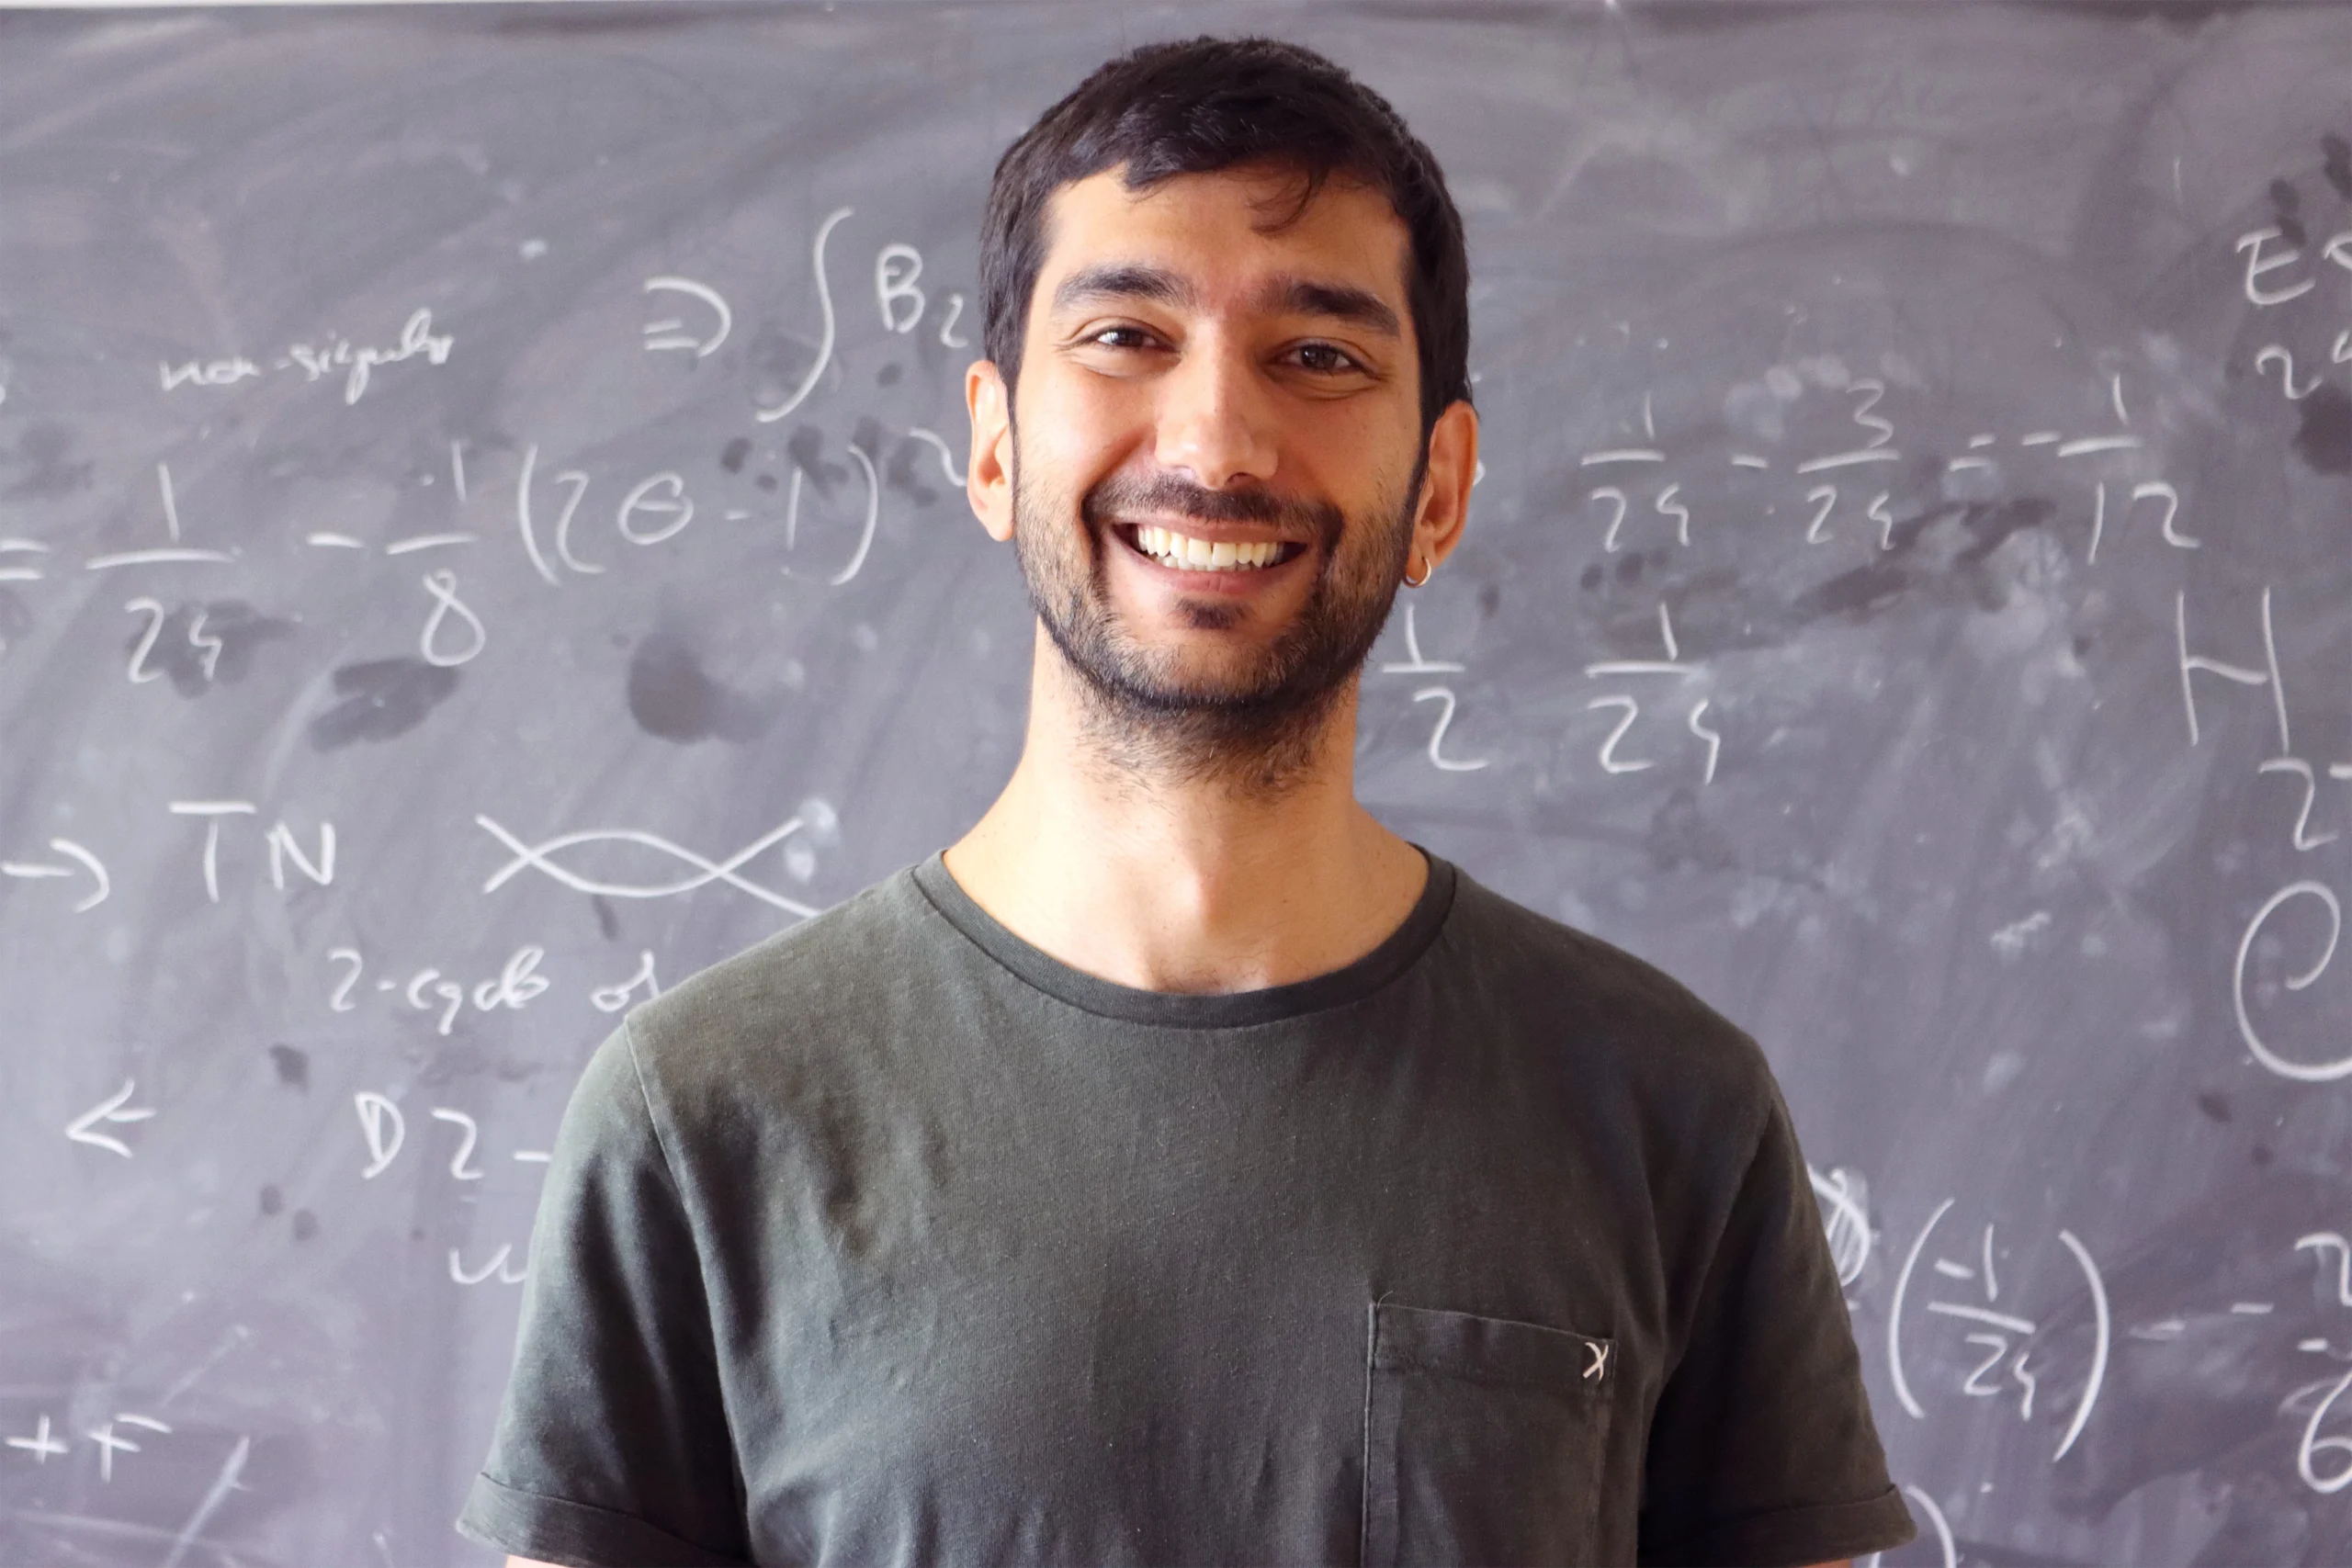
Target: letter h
<point>2191,662</point>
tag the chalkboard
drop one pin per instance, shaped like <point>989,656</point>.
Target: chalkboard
<point>480,538</point>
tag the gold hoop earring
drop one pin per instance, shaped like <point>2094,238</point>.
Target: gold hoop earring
<point>1412,582</point>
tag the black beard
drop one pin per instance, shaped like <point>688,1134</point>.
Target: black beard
<point>1254,736</point>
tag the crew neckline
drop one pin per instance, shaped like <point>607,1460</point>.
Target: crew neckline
<point>1188,1010</point>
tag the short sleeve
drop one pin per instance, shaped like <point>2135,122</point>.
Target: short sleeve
<point>611,1449</point>
<point>1762,1448</point>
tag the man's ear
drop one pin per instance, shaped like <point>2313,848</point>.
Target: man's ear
<point>988,477</point>
<point>1445,485</point>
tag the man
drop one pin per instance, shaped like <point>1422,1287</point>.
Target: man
<point>1181,1167</point>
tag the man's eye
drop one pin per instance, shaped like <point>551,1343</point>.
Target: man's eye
<point>1122,337</point>
<point>1324,357</point>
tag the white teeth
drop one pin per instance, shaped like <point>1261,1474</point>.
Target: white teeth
<point>1171,548</point>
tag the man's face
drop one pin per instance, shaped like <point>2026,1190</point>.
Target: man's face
<point>1196,382</point>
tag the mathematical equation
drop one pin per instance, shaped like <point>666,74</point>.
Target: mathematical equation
<point>196,641</point>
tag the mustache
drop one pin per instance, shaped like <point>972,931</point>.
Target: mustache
<point>1121,494</point>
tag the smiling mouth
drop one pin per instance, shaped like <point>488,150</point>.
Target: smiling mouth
<point>1184,552</point>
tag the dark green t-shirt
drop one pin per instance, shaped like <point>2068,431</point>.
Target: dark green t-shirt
<point>894,1240</point>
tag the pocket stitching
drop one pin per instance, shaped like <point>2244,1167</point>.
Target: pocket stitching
<point>1594,1403</point>
<point>1576,1383</point>
<point>1383,1351</point>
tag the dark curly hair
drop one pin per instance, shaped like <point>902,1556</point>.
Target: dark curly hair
<point>1209,103</point>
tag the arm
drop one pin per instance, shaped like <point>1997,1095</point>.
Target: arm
<point>612,1444</point>
<point>1762,1449</point>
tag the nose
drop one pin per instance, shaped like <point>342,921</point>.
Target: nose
<point>1213,418</point>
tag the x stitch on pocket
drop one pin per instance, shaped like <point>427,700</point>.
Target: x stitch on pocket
<point>1484,1439</point>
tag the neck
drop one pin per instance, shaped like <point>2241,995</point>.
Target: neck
<point>1150,870</point>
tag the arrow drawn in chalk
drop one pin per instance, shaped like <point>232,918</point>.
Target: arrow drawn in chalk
<point>109,1110</point>
<point>537,856</point>
<point>668,333</point>
<point>89,862</point>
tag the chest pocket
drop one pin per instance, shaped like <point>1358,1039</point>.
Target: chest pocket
<point>1483,1439</point>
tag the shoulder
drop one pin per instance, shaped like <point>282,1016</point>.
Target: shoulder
<point>1606,1004</point>
<point>808,979</point>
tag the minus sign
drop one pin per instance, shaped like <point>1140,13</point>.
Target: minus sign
<point>2250,1308</point>
<point>384,985</point>
<point>736,516</point>
<point>2318,1344</point>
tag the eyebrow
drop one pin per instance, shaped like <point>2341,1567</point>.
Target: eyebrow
<point>1123,280</point>
<point>1289,295</point>
<point>1305,296</point>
